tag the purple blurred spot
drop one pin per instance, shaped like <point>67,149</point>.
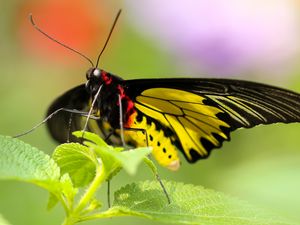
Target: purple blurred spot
<point>223,37</point>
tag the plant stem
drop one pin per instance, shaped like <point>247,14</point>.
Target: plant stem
<point>90,192</point>
<point>64,204</point>
<point>107,214</point>
<point>75,215</point>
<point>68,221</point>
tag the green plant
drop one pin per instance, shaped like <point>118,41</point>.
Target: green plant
<point>87,166</point>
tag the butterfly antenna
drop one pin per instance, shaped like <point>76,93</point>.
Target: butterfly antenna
<point>58,42</point>
<point>109,35</point>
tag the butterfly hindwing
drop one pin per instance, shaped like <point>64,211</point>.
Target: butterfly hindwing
<point>62,124</point>
<point>202,112</point>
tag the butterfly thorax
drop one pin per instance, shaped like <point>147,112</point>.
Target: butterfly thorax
<point>112,92</point>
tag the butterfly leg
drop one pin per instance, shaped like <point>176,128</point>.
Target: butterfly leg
<point>123,143</point>
<point>121,120</point>
<point>69,127</point>
<point>108,182</point>
<point>73,111</point>
<point>106,139</point>
<point>156,174</point>
<point>163,187</point>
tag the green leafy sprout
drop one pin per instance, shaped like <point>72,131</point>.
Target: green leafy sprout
<point>74,167</point>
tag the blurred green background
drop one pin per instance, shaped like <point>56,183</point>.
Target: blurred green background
<point>260,165</point>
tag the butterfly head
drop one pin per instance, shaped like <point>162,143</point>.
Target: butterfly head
<point>93,74</point>
<point>95,78</point>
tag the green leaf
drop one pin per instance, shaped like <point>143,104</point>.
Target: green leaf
<point>114,159</point>
<point>110,164</point>
<point>76,160</point>
<point>20,161</point>
<point>52,201</point>
<point>151,165</point>
<point>96,144</point>
<point>91,137</point>
<point>67,187</point>
<point>189,205</point>
<point>3,221</point>
<point>63,190</point>
<point>131,159</point>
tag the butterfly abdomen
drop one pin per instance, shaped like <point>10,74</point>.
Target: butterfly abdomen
<point>143,132</point>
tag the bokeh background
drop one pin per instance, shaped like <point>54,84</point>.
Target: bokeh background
<point>248,39</point>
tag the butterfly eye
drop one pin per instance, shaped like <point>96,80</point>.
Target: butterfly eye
<point>96,72</point>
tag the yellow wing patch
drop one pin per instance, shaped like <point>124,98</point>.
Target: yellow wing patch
<point>187,115</point>
<point>171,94</point>
<point>163,150</point>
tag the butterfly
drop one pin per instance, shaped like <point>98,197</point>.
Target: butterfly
<point>193,116</point>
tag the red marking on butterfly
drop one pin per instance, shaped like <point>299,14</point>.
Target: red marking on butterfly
<point>107,79</point>
<point>129,106</point>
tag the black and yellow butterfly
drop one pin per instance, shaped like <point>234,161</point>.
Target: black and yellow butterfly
<point>193,116</point>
